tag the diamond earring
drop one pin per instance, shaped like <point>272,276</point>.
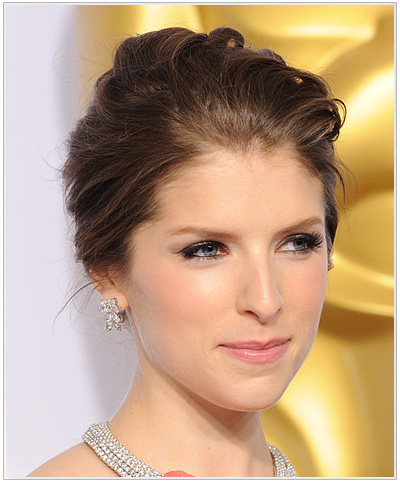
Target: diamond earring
<point>112,314</point>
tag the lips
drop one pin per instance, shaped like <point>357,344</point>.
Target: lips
<point>256,351</point>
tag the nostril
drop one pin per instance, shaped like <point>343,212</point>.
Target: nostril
<point>264,315</point>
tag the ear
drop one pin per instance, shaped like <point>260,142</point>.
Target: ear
<point>109,287</point>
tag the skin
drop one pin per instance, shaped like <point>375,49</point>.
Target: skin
<point>193,406</point>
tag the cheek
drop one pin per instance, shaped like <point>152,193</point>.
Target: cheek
<point>314,288</point>
<point>169,305</point>
<point>308,280</point>
<point>307,293</point>
<point>178,293</point>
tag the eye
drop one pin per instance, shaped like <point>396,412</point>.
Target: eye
<point>302,243</point>
<point>205,249</point>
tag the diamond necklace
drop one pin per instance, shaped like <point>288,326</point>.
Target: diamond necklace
<point>125,464</point>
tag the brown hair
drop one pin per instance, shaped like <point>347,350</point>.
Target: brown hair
<point>171,95</point>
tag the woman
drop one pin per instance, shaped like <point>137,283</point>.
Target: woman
<point>201,182</point>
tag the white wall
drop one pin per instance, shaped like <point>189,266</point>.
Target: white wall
<point>60,375</point>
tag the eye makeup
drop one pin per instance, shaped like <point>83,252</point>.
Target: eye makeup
<point>302,243</point>
<point>204,250</point>
<point>297,244</point>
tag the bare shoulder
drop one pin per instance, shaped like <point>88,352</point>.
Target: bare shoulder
<point>78,461</point>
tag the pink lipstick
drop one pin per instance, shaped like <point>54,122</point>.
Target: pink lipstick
<point>257,352</point>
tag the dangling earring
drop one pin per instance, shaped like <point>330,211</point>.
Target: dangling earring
<point>112,313</point>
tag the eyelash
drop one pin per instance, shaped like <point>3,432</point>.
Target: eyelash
<point>313,241</point>
<point>189,251</point>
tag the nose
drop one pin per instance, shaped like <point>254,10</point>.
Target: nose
<point>259,295</point>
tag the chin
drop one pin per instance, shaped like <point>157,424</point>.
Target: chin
<point>255,400</point>
<point>256,405</point>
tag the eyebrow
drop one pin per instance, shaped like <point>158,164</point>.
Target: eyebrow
<point>212,233</point>
<point>306,223</point>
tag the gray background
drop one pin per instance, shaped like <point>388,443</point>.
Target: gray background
<point>64,373</point>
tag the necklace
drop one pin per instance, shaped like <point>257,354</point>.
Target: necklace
<point>125,464</point>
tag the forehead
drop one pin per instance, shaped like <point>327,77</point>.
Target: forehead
<point>250,188</point>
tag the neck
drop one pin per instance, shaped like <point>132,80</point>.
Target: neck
<point>170,428</point>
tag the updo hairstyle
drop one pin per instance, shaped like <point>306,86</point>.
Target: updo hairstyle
<point>172,95</point>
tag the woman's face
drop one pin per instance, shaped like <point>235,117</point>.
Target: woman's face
<point>226,288</point>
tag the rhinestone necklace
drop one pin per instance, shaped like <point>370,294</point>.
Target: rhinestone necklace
<point>125,464</point>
